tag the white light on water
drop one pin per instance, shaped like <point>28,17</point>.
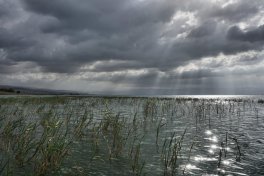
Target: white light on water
<point>213,139</point>
<point>228,149</point>
<point>191,167</point>
<point>211,151</point>
<point>226,162</point>
<point>200,158</point>
<point>208,132</point>
<point>221,170</point>
<point>214,146</point>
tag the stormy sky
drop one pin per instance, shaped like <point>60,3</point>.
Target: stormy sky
<point>134,46</point>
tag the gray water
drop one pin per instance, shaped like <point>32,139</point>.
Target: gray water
<point>223,135</point>
<point>244,123</point>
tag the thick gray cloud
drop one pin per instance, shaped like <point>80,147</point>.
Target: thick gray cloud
<point>106,17</point>
<point>236,11</point>
<point>253,35</point>
<point>132,43</point>
<point>11,40</point>
<point>206,29</point>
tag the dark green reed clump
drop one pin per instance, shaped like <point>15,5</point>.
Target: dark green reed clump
<point>170,152</point>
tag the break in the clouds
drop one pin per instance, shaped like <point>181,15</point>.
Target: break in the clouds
<point>134,46</point>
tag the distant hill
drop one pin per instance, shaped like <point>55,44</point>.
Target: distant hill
<point>15,90</point>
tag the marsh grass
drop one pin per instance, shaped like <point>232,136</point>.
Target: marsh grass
<point>25,144</point>
<point>3,165</point>
<point>113,131</point>
<point>137,165</point>
<point>170,153</point>
<point>82,123</point>
<point>238,153</point>
<point>38,133</point>
<point>189,155</point>
<point>160,125</point>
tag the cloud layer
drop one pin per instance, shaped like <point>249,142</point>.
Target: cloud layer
<point>133,46</point>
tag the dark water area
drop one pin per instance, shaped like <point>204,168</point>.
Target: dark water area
<point>161,135</point>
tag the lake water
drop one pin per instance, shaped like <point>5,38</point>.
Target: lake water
<point>162,135</point>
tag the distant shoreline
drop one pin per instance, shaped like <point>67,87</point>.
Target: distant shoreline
<point>6,92</point>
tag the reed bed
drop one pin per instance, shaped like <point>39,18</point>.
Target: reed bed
<point>41,135</point>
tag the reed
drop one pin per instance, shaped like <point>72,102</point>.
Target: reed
<point>3,167</point>
<point>82,123</point>
<point>25,144</point>
<point>160,125</point>
<point>238,154</point>
<point>170,152</point>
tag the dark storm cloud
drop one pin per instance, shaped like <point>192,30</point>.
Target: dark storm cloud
<point>82,32</point>
<point>235,12</point>
<point>11,40</point>
<point>108,36</point>
<point>208,28</point>
<point>253,35</point>
<point>196,48</point>
<point>105,17</point>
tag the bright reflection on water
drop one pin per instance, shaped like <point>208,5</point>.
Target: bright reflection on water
<point>192,167</point>
<point>222,171</point>
<point>211,151</point>
<point>208,132</point>
<point>200,159</point>
<point>213,139</point>
<point>226,162</point>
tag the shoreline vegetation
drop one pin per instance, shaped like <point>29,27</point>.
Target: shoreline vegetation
<point>13,90</point>
<point>73,135</point>
<point>8,91</point>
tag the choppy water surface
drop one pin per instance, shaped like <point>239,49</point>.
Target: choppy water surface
<point>158,136</point>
